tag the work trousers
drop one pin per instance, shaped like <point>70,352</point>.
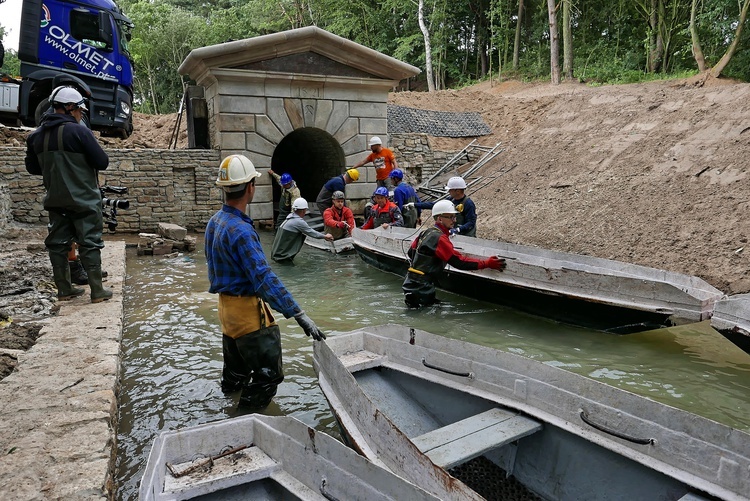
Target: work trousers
<point>253,364</point>
<point>84,228</point>
<point>418,291</point>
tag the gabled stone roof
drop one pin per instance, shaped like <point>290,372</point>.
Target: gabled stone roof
<point>247,53</point>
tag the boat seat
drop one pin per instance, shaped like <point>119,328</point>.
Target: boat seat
<point>463,440</point>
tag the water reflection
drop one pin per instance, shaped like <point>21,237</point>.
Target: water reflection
<point>172,348</point>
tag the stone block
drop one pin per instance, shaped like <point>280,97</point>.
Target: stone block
<point>294,112</point>
<point>258,144</point>
<point>308,112</point>
<point>260,210</point>
<point>241,104</point>
<point>323,110</point>
<point>232,140</point>
<point>278,115</point>
<point>339,114</point>
<point>368,110</point>
<point>374,127</point>
<point>360,190</point>
<point>263,193</point>
<point>240,88</point>
<point>172,231</point>
<point>268,130</point>
<point>279,88</point>
<point>161,248</point>
<point>348,130</point>
<point>345,91</point>
<point>230,122</point>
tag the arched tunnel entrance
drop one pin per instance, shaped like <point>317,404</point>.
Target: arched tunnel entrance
<point>312,156</point>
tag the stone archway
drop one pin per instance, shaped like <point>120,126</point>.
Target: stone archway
<point>312,156</point>
<point>305,100</point>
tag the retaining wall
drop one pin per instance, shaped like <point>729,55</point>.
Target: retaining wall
<point>170,186</point>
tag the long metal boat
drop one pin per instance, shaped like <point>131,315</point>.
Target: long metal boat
<point>581,290</point>
<point>264,458</point>
<point>453,418</point>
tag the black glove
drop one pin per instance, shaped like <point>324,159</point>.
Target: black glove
<point>309,326</point>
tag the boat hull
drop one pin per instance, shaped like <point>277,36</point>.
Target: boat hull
<point>270,458</point>
<point>579,290</point>
<point>341,246</point>
<point>393,389</point>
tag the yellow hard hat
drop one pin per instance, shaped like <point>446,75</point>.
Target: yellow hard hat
<point>353,173</point>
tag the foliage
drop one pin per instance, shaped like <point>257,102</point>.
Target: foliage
<point>612,39</point>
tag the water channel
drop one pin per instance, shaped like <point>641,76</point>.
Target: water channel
<point>172,348</point>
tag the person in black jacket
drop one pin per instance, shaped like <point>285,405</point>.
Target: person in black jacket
<point>68,157</point>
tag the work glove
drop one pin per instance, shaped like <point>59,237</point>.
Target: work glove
<point>309,326</point>
<point>455,231</point>
<point>410,204</point>
<point>493,263</point>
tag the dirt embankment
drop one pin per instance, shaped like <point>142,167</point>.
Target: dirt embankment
<point>654,174</point>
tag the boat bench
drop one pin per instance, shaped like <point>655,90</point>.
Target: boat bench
<point>464,440</point>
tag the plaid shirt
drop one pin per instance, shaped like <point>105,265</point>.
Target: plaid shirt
<point>237,265</point>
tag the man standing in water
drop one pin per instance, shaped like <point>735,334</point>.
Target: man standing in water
<point>431,251</point>
<point>248,289</point>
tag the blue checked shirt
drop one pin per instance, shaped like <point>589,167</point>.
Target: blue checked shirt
<point>237,265</point>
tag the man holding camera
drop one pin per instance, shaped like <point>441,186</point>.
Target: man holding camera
<point>68,157</point>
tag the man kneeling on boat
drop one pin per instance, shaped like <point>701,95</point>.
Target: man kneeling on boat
<point>431,251</point>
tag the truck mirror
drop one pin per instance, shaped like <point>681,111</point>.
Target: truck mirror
<point>105,28</point>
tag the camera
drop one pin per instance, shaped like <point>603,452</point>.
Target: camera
<point>110,215</point>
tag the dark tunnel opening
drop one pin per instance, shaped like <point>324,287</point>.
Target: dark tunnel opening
<point>312,156</point>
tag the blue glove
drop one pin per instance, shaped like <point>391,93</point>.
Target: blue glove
<point>309,326</point>
<point>455,231</point>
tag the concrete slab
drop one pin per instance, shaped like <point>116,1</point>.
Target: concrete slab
<point>57,434</point>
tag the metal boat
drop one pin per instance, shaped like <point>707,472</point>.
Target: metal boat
<point>339,246</point>
<point>576,289</point>
<point>264,458</point>
<point>453,417</point>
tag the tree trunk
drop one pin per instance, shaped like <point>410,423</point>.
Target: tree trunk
<point>517,42</point>
<point>724,61</point>
<point>554,43</point>
<point>427,48</point>
<point>697,51</point>
<point>567,42</point>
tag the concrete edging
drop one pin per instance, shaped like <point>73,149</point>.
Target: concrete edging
<point>58,418</point>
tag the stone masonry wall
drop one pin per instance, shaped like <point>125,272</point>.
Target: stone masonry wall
<point>170,186</point>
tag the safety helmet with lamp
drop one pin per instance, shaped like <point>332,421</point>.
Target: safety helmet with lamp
<point>67,95</point>
<point>397,174</point>
<point>338,195</point>
<point>375,140</point>
<point>353,174</point>
<point>456,183</point>
<point>299,204</point>
<point>234,172</point>
<point>443,207</point>
<point>382,191</point>
<point>286,178</point>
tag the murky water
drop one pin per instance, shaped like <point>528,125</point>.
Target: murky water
<point>172,348</point>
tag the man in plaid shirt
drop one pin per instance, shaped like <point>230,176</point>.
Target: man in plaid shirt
<point>248,289</point>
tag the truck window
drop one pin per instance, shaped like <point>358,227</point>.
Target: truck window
<point>84,26</point>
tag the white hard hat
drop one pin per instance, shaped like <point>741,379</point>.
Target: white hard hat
<point>299,204</point>
<point>234,172</point>
<point>375,140</point>
<point>456,183</point>
<point>67,95</point>
<point>443,207</point>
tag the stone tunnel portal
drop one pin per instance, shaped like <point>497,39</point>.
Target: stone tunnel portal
<point>312,156</point>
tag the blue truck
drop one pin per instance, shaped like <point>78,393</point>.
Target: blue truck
<point>81,43</point>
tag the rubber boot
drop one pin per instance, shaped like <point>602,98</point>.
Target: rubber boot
<point>92,263</point>
<point>61,274</point>
<point>77,274</point>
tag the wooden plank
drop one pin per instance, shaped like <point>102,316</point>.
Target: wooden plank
<point>249,465</point>
<point>459,442</point>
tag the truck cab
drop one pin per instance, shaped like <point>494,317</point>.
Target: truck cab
<point>81,43</point>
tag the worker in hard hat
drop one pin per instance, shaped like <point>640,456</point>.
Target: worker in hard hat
<point>405,196</point>
<point>431,251</point>
<point>338,219</point>
<point>384,213</point>
<point>248,289</point>
<point>68,157</point>
<point>466,211</point>
<point>384,161</point>
<point>289,193</point>
<point>292,233</point>
<point>334,184</point>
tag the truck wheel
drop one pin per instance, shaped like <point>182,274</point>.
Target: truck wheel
<point>41,109</point>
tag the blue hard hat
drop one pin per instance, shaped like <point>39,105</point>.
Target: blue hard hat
<point>382,190</point>
<point>286,178</point>
<point>396,173</point>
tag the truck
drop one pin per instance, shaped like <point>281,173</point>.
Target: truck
<point>80,43</point>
